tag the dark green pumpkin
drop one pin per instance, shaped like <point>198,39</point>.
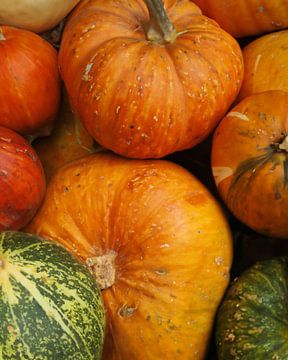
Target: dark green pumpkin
<point>50,306</point>
<point>252,322</point>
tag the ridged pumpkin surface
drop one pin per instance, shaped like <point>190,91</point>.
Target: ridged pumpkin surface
<point>50,306</point>
<point>163,241</point>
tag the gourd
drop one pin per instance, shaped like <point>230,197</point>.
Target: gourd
<point>250,162</point>
<point>37,16</point>
<point>22,181</point>
<point>29,82</point>
<point>146,81</point>
<point>252,319</point>
<point>266,64</point>
<point>247,17</point>
<point>156,241</point>
<point>51,307</point>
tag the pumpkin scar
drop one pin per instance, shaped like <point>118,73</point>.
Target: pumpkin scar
<point>220,173</point>
<point>239,115</point>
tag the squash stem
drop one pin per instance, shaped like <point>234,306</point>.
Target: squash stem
<point>159,28</point>
<point>284,144</point>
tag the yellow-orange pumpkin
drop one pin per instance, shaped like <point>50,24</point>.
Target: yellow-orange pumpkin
<point>145,87</point>
<point>158,244</point>
<point>250,162</point>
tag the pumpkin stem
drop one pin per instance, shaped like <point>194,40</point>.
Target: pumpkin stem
<point>159,28</point>
<point>103,269</point>
<point>2,37</point>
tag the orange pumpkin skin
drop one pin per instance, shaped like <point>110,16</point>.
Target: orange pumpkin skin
<point>68,141</point>
<point>29,82</point>
<point>22,181</point>
<point>250,162</point>
<point>171,243</point>
<point>266,64</point>
<point>139,98</point>
<point>247,17</point>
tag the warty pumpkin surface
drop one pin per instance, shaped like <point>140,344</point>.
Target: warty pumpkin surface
<point>250,162</point>
<point>145,87</point>
<point>158,244</point>
<point>247,17</point>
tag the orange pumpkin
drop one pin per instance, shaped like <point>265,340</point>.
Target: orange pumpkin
<point>158,244</point>
<point>250,162</point>
<point>247,17</point>
<point>266,64</point>
<point>68,141</point>
<point>29,82</point>
<point>143,85</point>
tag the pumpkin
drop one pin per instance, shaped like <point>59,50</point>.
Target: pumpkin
<point>22,181</point>
<point>37,16</point>
<point>157,242</point>
<point>68,141</point>
<point>51,306</point>
<point>250,162</point>
<point>251,322</point>
<point>247,17</point>
<point>266,64</point>
<point>146,81</point>
<point>29,82</point>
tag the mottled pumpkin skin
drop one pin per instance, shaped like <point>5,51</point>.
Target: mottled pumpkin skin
<point>252,320</point>
<point>247,17</point>
<point>68,141</point>
<point>139,98</point>
<point>22,181</point>
<point>172,248</point>
<point>266,64</point>
<point>250,170</point>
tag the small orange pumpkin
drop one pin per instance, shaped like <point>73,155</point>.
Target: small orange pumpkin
<point>143,85</point>
<point>250,162</point>
<point>158,244</point>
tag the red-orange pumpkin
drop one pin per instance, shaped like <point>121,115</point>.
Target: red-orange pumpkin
<point>247,17</point>
<point>22,181</point>
<point>29,82</point>
<point>250,162</point>
<point>146,87</point>
<point>156,240</point>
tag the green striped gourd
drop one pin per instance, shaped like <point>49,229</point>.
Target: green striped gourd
<point>252,321</point>
<point>50,306</point>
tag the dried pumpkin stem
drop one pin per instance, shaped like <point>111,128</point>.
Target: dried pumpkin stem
<point>159,29</point>
<point>2,37</point>
<point>284,144</point>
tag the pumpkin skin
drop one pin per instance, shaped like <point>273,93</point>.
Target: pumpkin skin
<point>22,181</point>
<point>49,302</point>
<point>68,141</point>
<point>37,16</point>
<point>29,82</point>
<point>250,162</point>
<point>254,313</point>
<point>166,239</point>
<point>267,52</point>
<point>141,98</point>
<point>247,17</point>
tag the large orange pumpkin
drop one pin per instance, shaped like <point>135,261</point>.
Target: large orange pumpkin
<point>266,64</point>
<point>143,85</point>
<point>29,82</point>
<point>247,17</point>
<point>250,162</point>
<point>158,244</point>
<point>22,181</point>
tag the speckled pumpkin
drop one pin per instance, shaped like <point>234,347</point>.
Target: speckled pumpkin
<point>158,244</point>
<point>250,162</point>
<point>252,320</point>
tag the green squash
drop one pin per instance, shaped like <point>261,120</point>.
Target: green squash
<point>50,306</point>
<point>252,322</point>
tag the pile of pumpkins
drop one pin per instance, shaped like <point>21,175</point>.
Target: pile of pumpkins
<point>143,179</point>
